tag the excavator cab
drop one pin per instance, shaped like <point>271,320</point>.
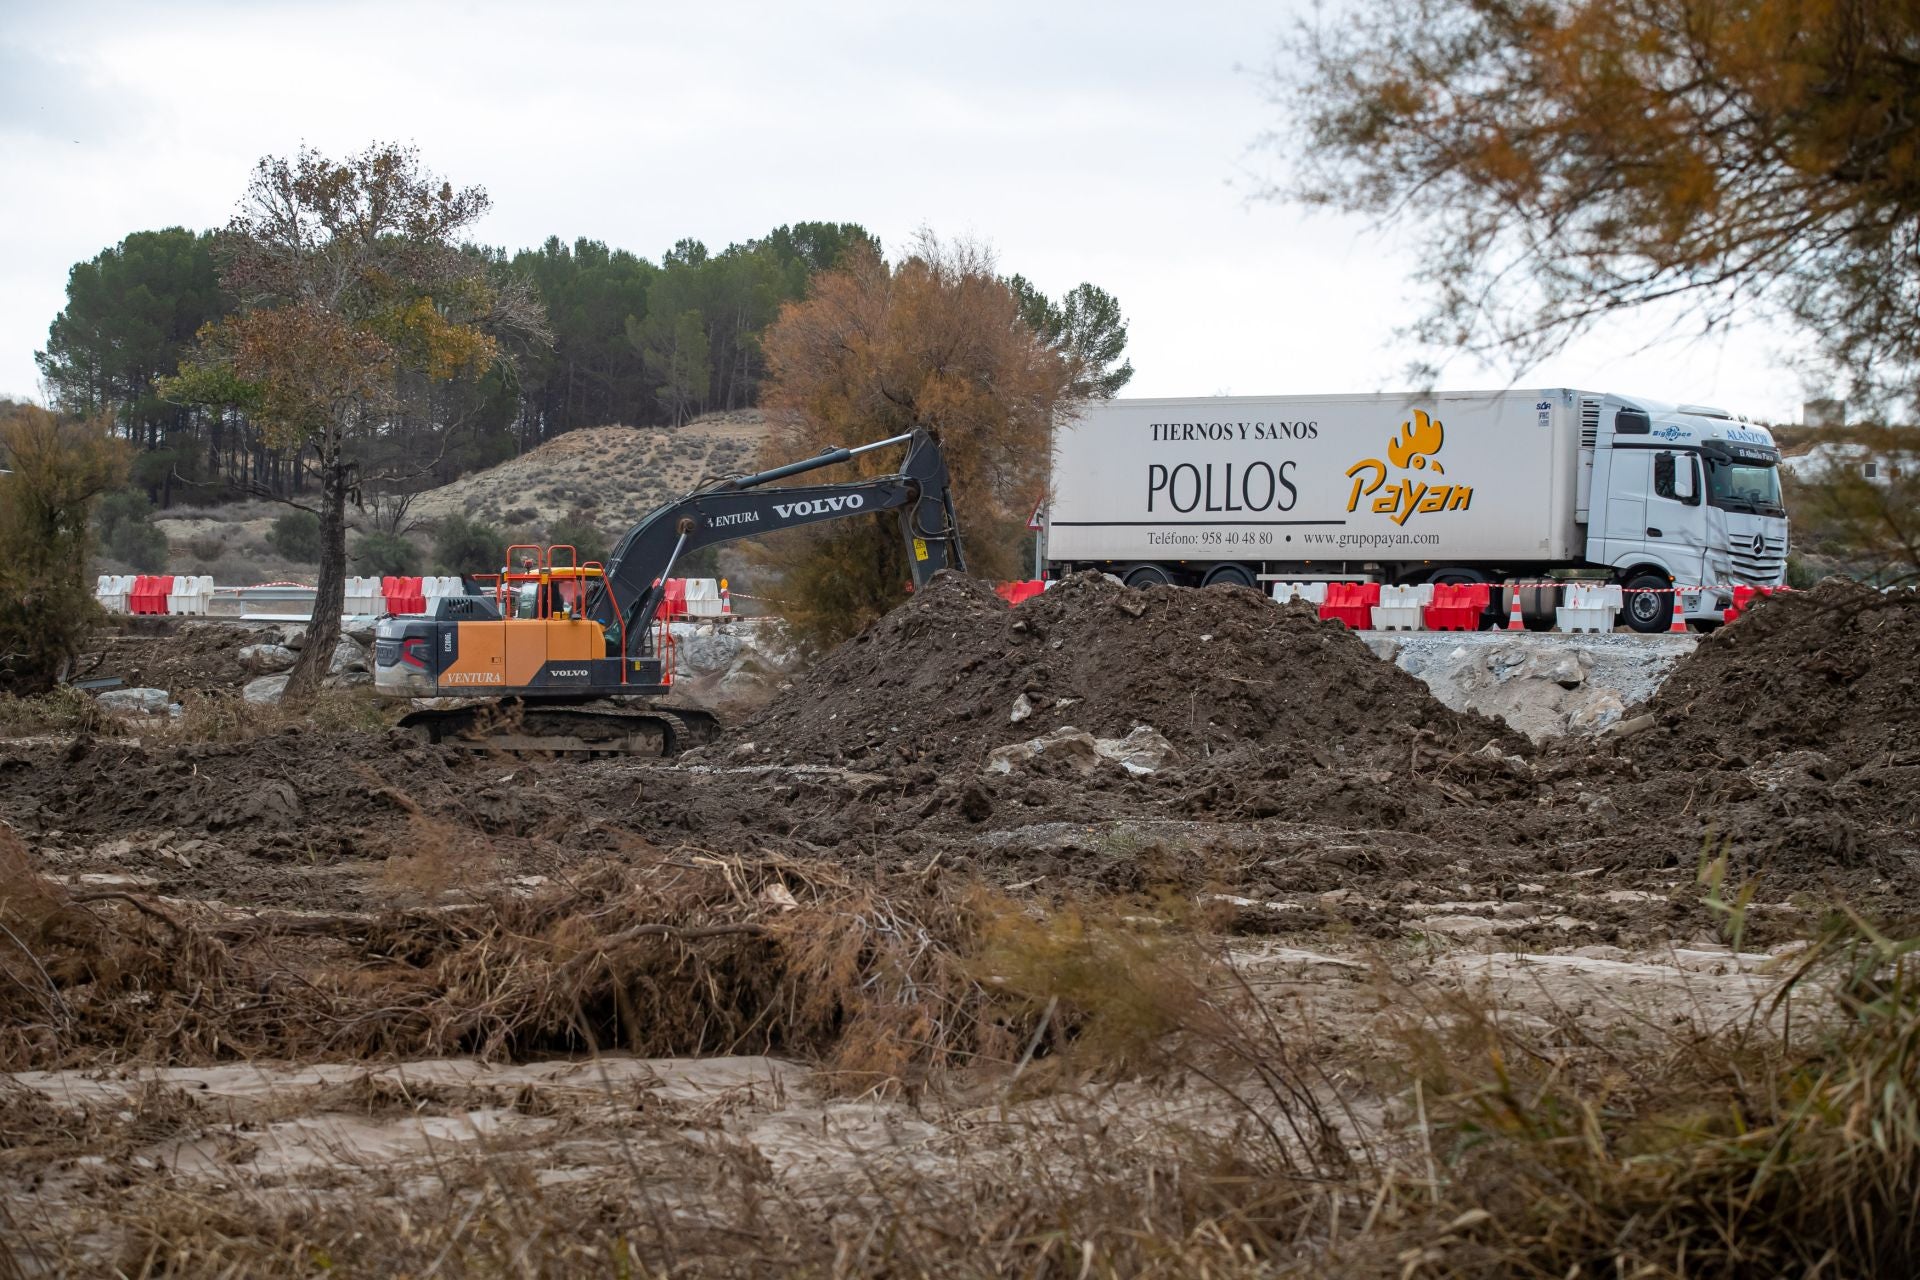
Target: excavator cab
<point>525,630</point>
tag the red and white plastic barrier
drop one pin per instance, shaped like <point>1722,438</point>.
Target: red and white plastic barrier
<point>1351,604</point>
<point>189,596</point>
<point>110,590</point>
<point>403,595</point>
<point>702,597</point>
<point>1743,598</point>
<point>1584,606</point>
<point>148,598</point>
<point>1016,592</point>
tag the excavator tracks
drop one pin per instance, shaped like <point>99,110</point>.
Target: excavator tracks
<point>600,728</point>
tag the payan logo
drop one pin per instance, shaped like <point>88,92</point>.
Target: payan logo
<point>1413,450</point>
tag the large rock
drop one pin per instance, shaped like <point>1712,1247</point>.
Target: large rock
<point>265,691</point>
<point>347,656</point>
<point>267,657</point>
<point>137,701</point>
<point>1066,745</point>
<point>1142,751</point>
<point>1602,711</point>
<point>715,652</point>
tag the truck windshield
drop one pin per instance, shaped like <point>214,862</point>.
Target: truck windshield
<point>1744,486</point>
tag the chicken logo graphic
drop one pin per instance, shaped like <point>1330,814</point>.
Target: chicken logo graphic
<point>1413,450</point>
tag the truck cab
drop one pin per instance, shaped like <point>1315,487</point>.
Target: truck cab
<point>1680,495</point>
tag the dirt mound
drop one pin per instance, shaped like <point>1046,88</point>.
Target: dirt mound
<point>955,673</point>
<point>166,653</point>
<point>1829,670</point>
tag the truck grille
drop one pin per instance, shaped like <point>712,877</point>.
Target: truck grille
<point>1757,566</point>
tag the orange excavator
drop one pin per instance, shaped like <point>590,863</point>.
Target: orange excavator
<point>552,654</point>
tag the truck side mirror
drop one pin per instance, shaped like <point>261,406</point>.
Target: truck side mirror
<point>1673,477</point>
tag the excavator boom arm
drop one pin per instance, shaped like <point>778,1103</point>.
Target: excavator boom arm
<point>748,506</point>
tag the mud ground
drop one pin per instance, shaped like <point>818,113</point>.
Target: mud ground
<point>1331,819</point>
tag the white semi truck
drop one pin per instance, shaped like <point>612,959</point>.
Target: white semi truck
<point>1505,487</point>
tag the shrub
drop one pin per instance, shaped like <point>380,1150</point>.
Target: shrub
<point>461,545</point>
<point>296,535</point>
<point>579,531</point>
<point>123,520</point>
<point>56,470</point>
<point>140,545</point>
<point>206,548</point>
<point>386,554</point>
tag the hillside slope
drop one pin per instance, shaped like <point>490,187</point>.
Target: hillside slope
<point>615,474</point>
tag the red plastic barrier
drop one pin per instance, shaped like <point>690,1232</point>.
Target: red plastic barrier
<point>404,595</point>
<point>149,594</point>
<point>1457,606</point>
<point>1743,599</point>
<point>1015,592</point>
<point>1351,604</point>
<point>674,603</point>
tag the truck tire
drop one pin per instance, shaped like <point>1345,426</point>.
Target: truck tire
<point>1146,575</point>
<point>1238,575</point>
<point>1648,604</point>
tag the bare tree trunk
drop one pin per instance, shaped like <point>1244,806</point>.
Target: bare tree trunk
<point>330,594</point>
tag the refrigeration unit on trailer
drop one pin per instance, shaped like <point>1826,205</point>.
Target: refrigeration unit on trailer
<point>1500,487</point>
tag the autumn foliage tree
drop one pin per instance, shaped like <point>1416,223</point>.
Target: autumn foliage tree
<point>54,469</point>
<point>936,341</point>
<point>350,283</point>
<point>1562,160</point>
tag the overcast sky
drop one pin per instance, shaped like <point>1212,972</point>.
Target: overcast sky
<point>1111,142</point>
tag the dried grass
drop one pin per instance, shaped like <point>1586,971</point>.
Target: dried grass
<point>692,953</point>
<point>207,716</point>
<point>1506,1149</point>
<point>64,709</point>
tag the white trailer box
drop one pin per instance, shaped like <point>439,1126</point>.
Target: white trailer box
<point>1454,478</point>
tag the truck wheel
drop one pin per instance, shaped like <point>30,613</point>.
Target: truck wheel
<point>1146,575</point>
<point>1648,605</point>
<point>1237,575</point>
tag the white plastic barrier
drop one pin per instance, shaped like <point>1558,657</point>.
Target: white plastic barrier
<point>189,595</point>
<point>363,598</point>
<point>703,597</point>
<point>1400,608</point>
<point>431,589</point>
<point>111,591</point>
<point>1315,592</point>
<point>1588,607</point>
